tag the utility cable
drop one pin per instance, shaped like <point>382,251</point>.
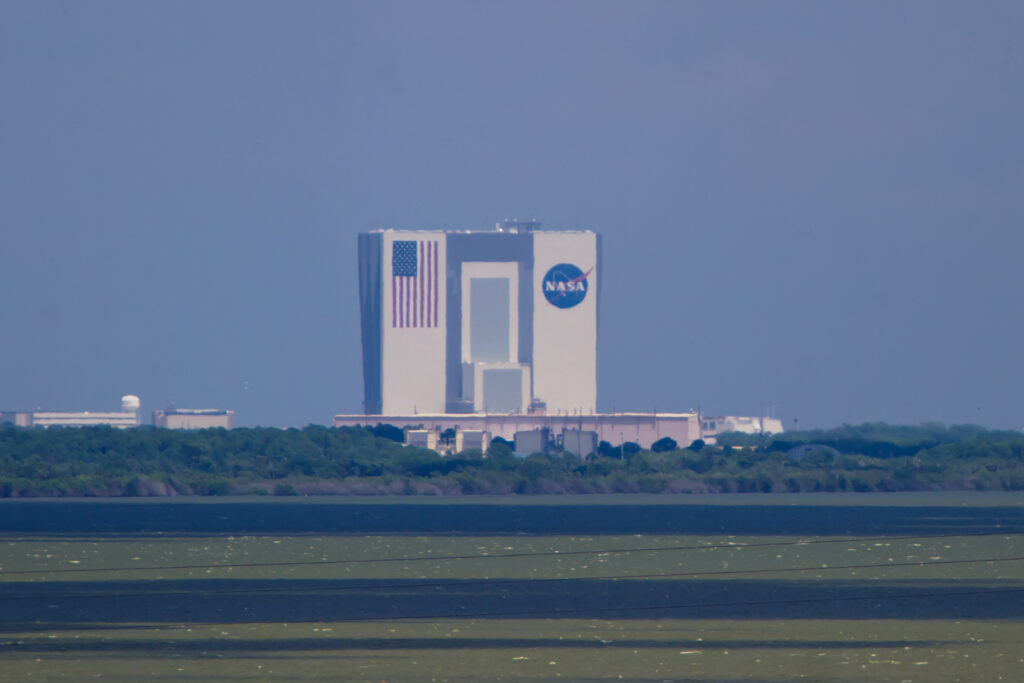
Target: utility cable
<point>499,556</point>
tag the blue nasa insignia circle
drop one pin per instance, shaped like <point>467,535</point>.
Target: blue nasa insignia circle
<point>565,285</point>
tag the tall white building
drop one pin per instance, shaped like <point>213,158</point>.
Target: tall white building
<point>501,321</point>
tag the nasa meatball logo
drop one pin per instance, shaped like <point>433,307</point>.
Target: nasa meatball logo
<point>565,285</point>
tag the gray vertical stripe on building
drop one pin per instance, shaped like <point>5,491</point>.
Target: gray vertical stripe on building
<point>497,246</point>
<point>599,273</point>
<point>370,292</point>
<point>526,309</point>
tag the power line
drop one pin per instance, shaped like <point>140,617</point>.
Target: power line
<point>698,605</point>
<point>499,556</point>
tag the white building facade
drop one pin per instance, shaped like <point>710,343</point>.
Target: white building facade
<point>126,418</point>
<point>713,425</point>
<point>479,321</point>
<point>194,418</point>
<point>615,428</point>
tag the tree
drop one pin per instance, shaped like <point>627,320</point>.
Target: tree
<point>388,432</point>
<point>500,448</point>
<point>631,448</point>
<point>664,444</point>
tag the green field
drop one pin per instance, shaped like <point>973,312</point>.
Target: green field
<point>926,604</point>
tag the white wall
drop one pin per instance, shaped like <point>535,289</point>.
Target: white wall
<point>473,383</point>
<point>413,373</point>
<point>84,419</point>
<point>642,428</point>
<point>196,421</point>
<point>565,339</point>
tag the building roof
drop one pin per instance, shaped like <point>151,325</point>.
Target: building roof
<point>478,231</point>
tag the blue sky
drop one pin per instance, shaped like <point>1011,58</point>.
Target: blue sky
<point>809,208</point>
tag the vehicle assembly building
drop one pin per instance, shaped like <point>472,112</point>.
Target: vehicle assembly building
<point>495,332</point>
<point>489,330</point>
<point>479,321</point>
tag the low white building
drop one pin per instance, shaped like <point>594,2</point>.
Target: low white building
<point>194,418</point>
<point>127,417</point>
<point>472,439</point>
<point>421,438</point>
<point>580,443</point>
<point>17,418</point>
<point>615,428</point>
<point>713,425</point>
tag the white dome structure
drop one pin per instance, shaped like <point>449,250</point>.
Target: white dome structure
<point>130,403</point>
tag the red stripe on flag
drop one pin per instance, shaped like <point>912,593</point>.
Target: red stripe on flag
<point>415,298</point>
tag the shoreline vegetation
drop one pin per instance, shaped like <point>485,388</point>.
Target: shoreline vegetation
<point>316,460</point>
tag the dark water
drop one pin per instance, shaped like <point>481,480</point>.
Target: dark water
<point>71,604</point>
<point>748,588</point>
<point>443,516</point>
<point>113,598</point>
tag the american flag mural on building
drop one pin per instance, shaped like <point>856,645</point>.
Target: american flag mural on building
<point>414,283</point>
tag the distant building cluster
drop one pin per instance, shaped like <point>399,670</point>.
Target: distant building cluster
<point>615,428</point>
<point>580,435</point>
<point>469,335</point>
<point>128,416</point>
<point>495,332</point>
<point>450,441</point>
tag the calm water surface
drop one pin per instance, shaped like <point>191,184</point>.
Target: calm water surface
<point>917,587</point>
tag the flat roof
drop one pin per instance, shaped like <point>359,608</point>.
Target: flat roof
<point>527,416</point>
<point>478,231</point>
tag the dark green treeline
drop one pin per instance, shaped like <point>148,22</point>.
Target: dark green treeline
<point>319,460</point>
